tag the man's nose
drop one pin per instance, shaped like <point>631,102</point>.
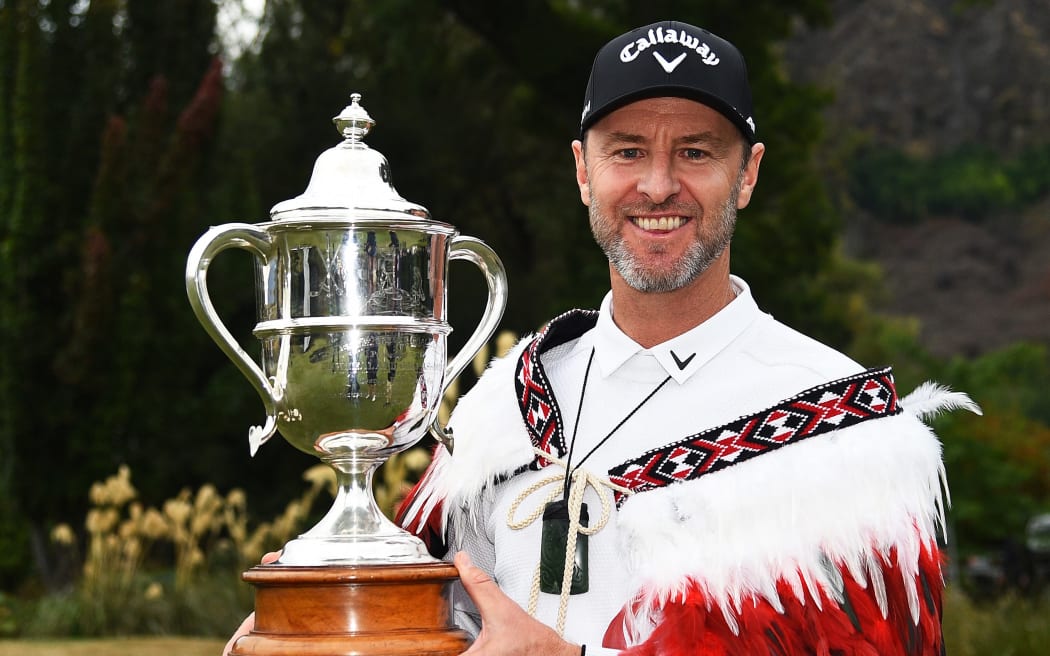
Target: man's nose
<point>659,182</point>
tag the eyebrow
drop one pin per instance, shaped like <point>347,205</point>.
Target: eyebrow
<point>624,137</point>
<point>703,138</point>
<point>696,138</point>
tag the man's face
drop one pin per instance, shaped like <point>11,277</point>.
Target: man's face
<point>663,179</point>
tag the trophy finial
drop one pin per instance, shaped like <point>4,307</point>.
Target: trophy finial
<point>353,122</point>
<point>349,176</point>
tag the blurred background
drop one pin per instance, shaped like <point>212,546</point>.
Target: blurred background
<point>903,215</point>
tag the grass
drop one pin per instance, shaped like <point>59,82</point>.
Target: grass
<point>114,647</point>
<point>1008,626</point>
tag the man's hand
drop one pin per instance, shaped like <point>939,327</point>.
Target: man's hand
<point>506,629</point>
<point>244,629</point>
<point>249,622</point>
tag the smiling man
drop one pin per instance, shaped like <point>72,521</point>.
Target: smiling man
<point>678,472</point>
<point>663,179</point>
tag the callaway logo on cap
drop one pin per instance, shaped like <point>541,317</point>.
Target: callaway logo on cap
<point>670,59</point>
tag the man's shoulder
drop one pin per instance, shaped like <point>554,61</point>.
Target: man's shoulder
<point>777,345</point>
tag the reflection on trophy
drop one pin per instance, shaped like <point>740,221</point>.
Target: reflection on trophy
<point>350,284</point>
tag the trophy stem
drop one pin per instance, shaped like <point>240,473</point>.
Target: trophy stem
<point>354,511</point>
<point>355,531</point>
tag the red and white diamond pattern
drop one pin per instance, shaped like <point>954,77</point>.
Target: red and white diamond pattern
<point>838,404</point>
<point>819,410</point>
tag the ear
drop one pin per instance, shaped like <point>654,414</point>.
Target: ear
<point>581,172</point>
<point>750,176</point>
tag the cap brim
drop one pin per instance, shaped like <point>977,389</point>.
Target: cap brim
<point>674,91</point>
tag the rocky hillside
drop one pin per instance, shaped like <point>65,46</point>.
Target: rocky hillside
<point>926,76</point>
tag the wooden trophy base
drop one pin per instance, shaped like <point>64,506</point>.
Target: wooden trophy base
<point>352,611</point>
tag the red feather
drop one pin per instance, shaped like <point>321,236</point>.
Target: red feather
<point>856,627</point>
<point>428,529</point>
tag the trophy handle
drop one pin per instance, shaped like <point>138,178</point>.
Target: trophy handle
<point>476,251</point>
<point>210,244</point>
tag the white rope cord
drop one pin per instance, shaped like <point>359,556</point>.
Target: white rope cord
<point>581,480</point>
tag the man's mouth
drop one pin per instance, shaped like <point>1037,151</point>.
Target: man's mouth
<point>665,223</point>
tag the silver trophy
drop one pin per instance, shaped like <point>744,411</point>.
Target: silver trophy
<point>350,284</point>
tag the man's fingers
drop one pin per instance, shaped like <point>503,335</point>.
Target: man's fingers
<point>244,629</point>
<point>249,622</point>
<point>490,601</point>
<point>270,557</point>
<point>476,581</point>
<point>505,627</point>
<point>468,572</point>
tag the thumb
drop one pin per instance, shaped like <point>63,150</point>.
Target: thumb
<point>505,626</point>
<point>244,629</point>
<point>270,557</point>
<point>479,585</point>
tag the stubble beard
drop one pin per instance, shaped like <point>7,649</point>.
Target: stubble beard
<point>699,256</point>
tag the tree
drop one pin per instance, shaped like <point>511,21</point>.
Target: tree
<point>999,464</point>
<point>119,163</point>
<point>476,103</point>
<point>94,189</point>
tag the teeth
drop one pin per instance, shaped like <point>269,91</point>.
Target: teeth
<point>662,223</point>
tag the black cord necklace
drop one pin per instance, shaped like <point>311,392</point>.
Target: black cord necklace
<point>554,536</point>
<point>569,469</point>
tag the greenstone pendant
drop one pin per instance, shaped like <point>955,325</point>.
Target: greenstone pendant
<point>554,542</point>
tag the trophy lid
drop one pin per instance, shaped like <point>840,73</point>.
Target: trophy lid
<point>348,177</point>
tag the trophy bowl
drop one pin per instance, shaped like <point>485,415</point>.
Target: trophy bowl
<point>351,298</point>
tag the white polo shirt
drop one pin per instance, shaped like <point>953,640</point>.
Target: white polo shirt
<point>738,362</point>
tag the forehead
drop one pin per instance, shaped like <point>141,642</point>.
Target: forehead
<point>650,116</point>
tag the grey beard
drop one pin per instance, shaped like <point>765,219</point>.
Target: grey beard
<point>695,261</point>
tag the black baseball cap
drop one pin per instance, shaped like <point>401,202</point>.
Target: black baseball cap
<point>670,58</point>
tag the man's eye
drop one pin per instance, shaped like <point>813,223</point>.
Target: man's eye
<point>693,153</point>
<point>630,153</point>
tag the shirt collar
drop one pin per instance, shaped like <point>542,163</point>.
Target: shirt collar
<point>681,356</point>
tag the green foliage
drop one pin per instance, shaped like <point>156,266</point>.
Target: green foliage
<point>105,184</point>
<point>1008,627</point>
<point>139,646</point>
<point>8,616</point>
<point>174,569</point>
<point>996,487</point>
<point>1015,378</point>
<point>22,215</point>
<point>888,340</point>
<point>114,166</point>
<point>211,606</point>
<point>14,543</point>
<point>998,464</point>
<point>167,570</point>
<point>970,182</point>
<point>476,104</point>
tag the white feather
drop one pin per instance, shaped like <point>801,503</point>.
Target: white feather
<point>878,585</point>
<point>834,577</point>
<point>462,481</point>
<point>913,598</point>
<point>931,399</point>
<point>856,570</point>
<point>833,500</point>
<point>768,591</point>
<point>730,618</point>
<point>795,581</point>
<point>811,585</point>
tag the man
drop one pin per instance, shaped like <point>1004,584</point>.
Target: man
<point>679,473</point>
